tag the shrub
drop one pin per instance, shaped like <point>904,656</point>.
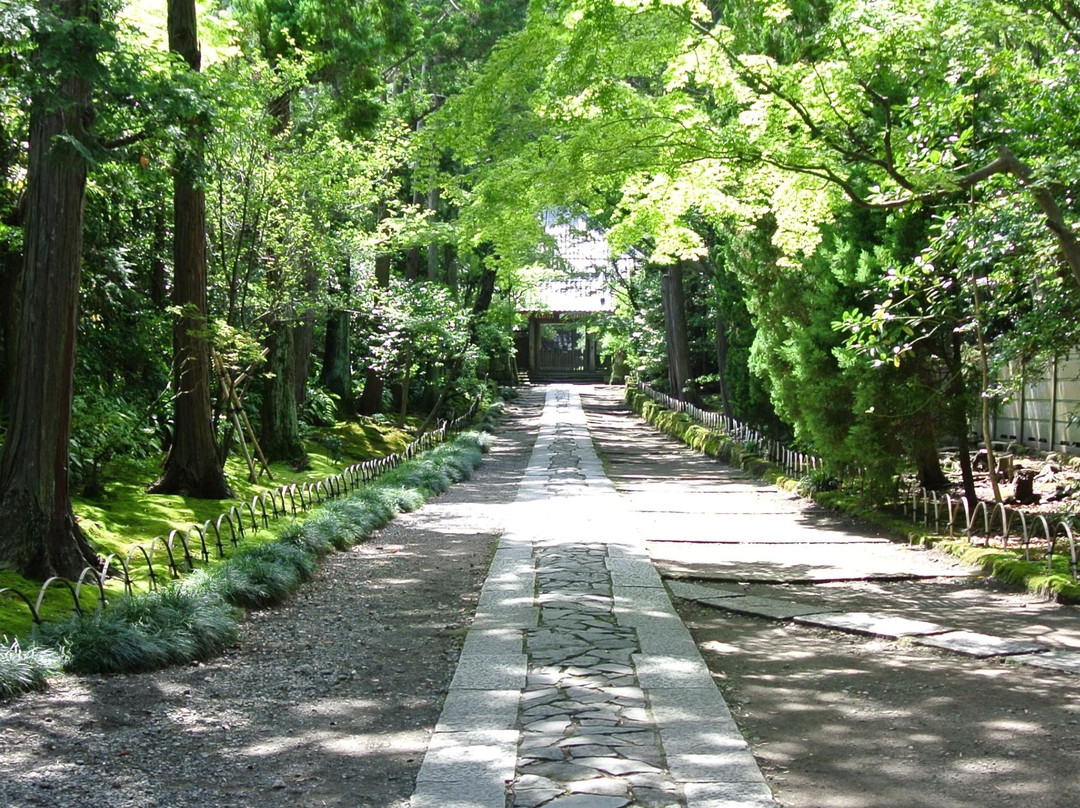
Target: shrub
<point>23,669</point>
<point>263,575</point>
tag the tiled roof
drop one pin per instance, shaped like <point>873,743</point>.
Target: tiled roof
<point>580,265</point>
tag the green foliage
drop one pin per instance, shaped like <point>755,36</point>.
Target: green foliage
<point>320,408</point>
<point>103,428</point>
<point>262,575</point>
<point>181,623</point>
<point>25,669</point>
<point>818,481</point>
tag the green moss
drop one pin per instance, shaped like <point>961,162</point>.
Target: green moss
<point>1009,566</point>
<point>126,516</point>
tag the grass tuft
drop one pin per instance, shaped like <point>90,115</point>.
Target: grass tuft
<point>25,669</point>
<point>103,643</point>
<point>314,542</point>
<point>262,575</point>
<point>181,623</point>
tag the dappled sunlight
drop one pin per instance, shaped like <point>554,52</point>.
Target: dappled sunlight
<point>856,720</point>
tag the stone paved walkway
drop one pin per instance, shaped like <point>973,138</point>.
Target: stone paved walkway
<point>578,686</point>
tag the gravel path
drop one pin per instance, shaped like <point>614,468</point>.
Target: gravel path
<point>329,699</point>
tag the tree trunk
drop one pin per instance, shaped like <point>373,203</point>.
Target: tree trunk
<point>678,345</point>
<point>721,341</point>
<point>304,340</point>
<point>984,394</point>
<point>412,263</point>
<point>10,268</point>
<point>39,536</point>
<point>433,248</point>
<point>925,452</point>
<point>280,438</point>
<point>192,466</point>
<point>956,394</point>
<point>336,373</point>
<point>371,399</point>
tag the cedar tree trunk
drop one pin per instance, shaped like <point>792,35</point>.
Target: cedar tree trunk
<point>280,438</point>
<point>192,466</point>
<point>722,346</point>
<point>371,399</point>
<point>336,375</point>
<point>304,339</point>
<point>678,346</point>
<point>39,536</point>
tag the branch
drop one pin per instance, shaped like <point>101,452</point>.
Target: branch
<point>127,140</point>
<point>1009,163</point>
<point>827,174</point>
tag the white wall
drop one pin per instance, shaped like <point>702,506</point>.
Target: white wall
<point>1046,413</point>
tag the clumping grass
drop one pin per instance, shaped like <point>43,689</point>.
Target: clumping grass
<point>197,617</point>
<point>300,534</point>
<point>330,526</point>
<point>404,499</point>
<point>24,669</point>
<point>262,575</point>
<point>180,623</point>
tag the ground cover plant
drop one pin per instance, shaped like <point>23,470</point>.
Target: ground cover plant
<point>123,515</point>
<point>197,616</point>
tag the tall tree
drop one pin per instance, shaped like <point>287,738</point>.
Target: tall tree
<point>192,466</point>
<point>39,536</point>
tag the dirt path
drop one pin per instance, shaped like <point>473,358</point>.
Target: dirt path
<point>328,700</point>
<point>842,721</point>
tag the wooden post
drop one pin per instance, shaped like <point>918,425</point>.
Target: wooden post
<point>237,409</point>
<point>1053,403</point>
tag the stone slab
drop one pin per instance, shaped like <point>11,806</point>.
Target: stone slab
<point>474,794</point>
<point>691,591</point>
<point>668,637</point>
<point>493,641</point>
<point>642,606</point>
<point>730,766</point>
<point>476,756</point>
<point>466,710</point>
<point>702,738</point>
<point>517,617</point>
<point>1055,660</point>
<point>873,623</point>
<point>654,670</point>
<point>766,607</point>
<point>633,572</point>
<point>971,643</point>
<point>490,672</point>
<point>692,708</point>
<point>728,795</point>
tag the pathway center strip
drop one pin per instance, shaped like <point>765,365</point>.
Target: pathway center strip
<point>578,685</point>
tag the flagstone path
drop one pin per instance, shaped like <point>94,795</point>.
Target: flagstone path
<point>578,686</point>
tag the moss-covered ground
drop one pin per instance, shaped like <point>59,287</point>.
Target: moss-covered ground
<point>126,516</point>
